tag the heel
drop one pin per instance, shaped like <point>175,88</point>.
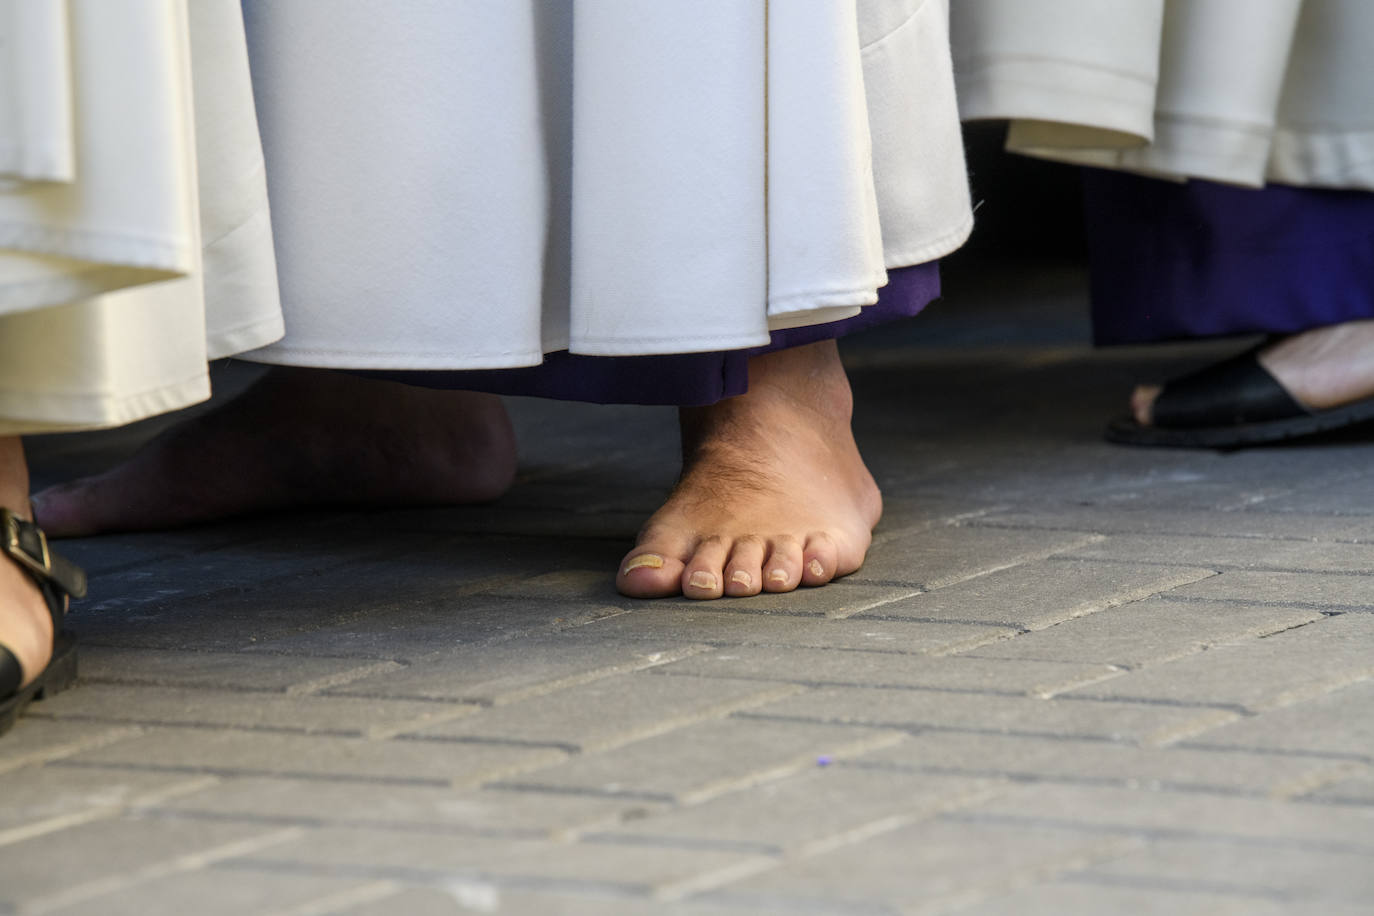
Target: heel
<point>61,671</point>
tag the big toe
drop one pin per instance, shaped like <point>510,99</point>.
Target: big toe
<point>650,571</point>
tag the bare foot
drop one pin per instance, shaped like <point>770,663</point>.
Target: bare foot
<point>25,625</point>
<point>299,437</point>
<point>773,492</point>
<point>1321,368</point>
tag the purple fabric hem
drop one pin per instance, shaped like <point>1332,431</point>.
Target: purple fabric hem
<point>1178,261</point>
<point>682,380</point>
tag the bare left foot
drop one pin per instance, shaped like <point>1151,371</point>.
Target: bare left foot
<point>1321,368</point>
<point>773,494</point>
<point>299,437</point>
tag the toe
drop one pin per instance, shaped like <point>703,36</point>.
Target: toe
<point>782,570</point>
<point>654,569</point>
<point>703,577</point>
<point>744,570</point>
<point>820,559</point>
<point>649,573</point>
<point>1143,403</point>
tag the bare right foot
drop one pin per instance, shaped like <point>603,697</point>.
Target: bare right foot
<point>299,437</point>
<point>774,493</point>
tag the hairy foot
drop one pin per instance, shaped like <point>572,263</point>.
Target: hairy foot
<point>1321,368</point>
<point>299,437</point>
<point>773,491</point>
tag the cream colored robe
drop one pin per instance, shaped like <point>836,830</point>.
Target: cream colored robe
<point>1237,91</point>
<point>134,234</point>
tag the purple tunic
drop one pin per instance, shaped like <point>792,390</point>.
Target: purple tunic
<point>1200,259</point>
<point>684,380</point>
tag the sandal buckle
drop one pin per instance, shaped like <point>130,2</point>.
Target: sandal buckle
<point>13,545</point>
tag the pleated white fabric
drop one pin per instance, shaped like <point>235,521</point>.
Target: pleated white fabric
<point>460,184</point>
<point>1237,91</point>
<point>457,183</point>
<point>135,239</point>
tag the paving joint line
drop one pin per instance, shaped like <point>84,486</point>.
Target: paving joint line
<point>993,523</point>
<point>251,772</point>
<point>199,725</point>
<point>1106,782</point>
<point>1329,610</point>
<point>1174,885</point>
<point>1277,751</point>
<point>438,878</point>
<point>1158,833</point>
<point>1217,568</point>
<point>322,823</point>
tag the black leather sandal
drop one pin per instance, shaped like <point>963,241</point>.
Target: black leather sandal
<point>57,578</point>
<point>1232,404</point>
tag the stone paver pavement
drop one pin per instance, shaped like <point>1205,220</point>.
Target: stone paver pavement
<point>1073,678</point>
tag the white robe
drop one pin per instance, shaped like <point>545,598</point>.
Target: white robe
<point>462,184</point>
<point>1238,91</point>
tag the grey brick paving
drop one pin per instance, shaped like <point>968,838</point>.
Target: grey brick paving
<point>817,806</point>
<point>883,669</point>
<point>359,760</point>
<point>1094,762</point>
<point>1352,592</point>
<point>849,598</point>
<point>1257,673</point>
<point>1253,522</point>
<point>464,897</point>
<point>1054,898</point>
<point>723,628</point>
<point>929,863</point>
<point>515,862</point>
<point>42,799</point>
<point>608,712</point>
<point>1339,723</point>
<point>1167,814</point>
<point>299,712</point>
<point>1072,678</point>
<point>702,760</point>
<point>958,553</point>
<point>924,710</point>
<point>429,809</point>
<point>212,891</point>
<point>1357,790</point>
<point>1297,875</point>
<point>507,671</point>
<point>1038,594</point>
<point>37,873</point>
<point>1148,632</point>
<point>1241,553</point>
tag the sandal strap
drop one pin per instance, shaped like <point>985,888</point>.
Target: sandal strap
<point>26,544</point>
<point>1232,392</point>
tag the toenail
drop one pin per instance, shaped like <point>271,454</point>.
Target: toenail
<point>816,568</point>
<point>779,576</point>
<point>740,577</point>
<point>649,560</point>
<point>701,579</point>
